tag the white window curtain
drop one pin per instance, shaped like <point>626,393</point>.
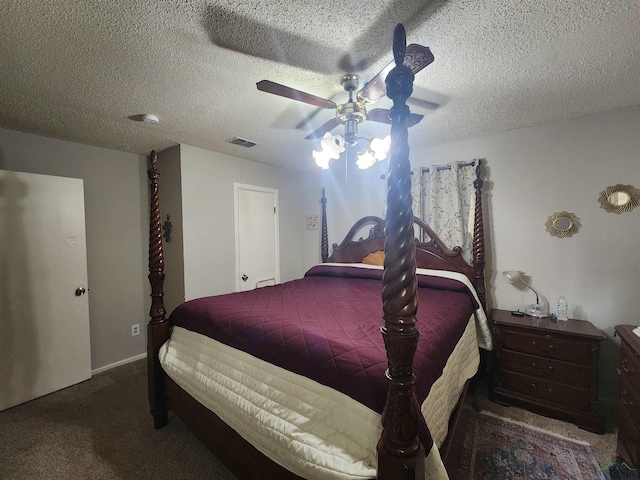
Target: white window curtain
<point>444,198</point>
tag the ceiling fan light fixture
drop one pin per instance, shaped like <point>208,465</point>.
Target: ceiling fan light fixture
<point>377,151</point>
<point>354,110</point>
<point>351,132</point>
<point>322,159</point>
<point>331,148</point>
<point>381,147</point>
<point>366,159</point>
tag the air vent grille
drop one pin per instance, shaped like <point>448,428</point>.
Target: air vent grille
<point>243,142</point>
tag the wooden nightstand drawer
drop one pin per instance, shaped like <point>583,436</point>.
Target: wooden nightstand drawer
<point>630,367</point>
<point>628,440</point>
<point>552,392</point>
<point>629,400</point>
<point>574,375</point>
<point>549,346</point>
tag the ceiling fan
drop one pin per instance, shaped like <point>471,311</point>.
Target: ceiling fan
<point>354,111</point>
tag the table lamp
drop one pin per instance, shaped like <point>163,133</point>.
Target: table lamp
<point>535,310</point>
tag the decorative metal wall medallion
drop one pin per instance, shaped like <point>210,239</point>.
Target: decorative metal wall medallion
<point>166,229</point>
<point>563,224</point>
<point>619,198</point>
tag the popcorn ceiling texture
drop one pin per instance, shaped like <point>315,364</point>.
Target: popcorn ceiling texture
<point>78,70</point>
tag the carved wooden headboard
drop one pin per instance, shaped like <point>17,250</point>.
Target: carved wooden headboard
<point>433,254</point>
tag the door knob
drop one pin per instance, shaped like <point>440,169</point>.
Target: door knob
<point>80,291</point>
<point>244,278</point>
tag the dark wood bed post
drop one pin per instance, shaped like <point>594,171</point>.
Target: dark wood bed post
<point>478,239</point>
<point>158,328</point>
<point>400,453</point>
<point>324,240</point>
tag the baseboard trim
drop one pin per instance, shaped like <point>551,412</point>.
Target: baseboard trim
<point>118,364</point>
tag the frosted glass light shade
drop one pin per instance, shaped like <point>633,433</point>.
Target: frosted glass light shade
<point>380,147</point>
<point>366,159</point>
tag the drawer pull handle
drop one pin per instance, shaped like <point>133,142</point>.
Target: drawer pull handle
<point>624,366</point>
<point>623,399</point>
<point>535,344</point>
<point>533,385</point>
<point>535,365</point>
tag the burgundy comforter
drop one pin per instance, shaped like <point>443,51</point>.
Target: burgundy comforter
<point>326,326</point>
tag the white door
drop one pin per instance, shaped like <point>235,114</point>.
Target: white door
<point>257,249</point>
<point>44,321</point>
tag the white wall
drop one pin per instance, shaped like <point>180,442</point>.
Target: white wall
<point>116,211</point>
<point>537,171</point>
<point>207,180</point>
<point>530,174</point>
<point>351,195</point>
<point>170,192</point>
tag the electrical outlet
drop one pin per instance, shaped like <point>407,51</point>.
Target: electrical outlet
<point>135,329</point>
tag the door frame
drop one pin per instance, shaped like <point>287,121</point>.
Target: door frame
<point>237,187</point>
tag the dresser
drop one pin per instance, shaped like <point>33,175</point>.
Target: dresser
<point>629,400</point>
<point>547,367</point>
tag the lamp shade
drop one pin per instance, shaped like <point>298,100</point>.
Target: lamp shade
<point>513,276</point>
<point>534,310</point>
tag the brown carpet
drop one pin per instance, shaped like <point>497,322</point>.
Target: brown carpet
<point>101,429</point>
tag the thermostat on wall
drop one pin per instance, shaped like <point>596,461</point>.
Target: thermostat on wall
<point>312,222</point>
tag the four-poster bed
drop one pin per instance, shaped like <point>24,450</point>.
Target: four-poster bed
<point>230,344</point>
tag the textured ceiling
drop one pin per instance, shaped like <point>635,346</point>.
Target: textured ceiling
<point>80,70</point>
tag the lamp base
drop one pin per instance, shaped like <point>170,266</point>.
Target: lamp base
<point>536,311</point>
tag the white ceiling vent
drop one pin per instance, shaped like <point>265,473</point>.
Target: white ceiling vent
<point>243,142</point>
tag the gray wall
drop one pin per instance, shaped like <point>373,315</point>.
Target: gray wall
<point>117,218</point>
<point>116,211</point>
<point>351,195</point>
<point>170,186</point>
<point>203,201</point>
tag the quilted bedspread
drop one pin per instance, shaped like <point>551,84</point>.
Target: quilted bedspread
<point>326,327</point>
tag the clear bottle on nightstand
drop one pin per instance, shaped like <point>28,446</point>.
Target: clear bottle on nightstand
<point>563,308</point>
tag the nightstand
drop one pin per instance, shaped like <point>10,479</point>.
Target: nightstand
<point>629,401</point>
<point>548,367</point>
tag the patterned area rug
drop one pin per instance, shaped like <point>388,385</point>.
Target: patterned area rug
<point>496,448</point>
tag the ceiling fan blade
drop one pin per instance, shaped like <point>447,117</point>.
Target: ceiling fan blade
<point>327,127</point>
<point>381,115</point>
<point>416,58</point>
<point>288,92</point>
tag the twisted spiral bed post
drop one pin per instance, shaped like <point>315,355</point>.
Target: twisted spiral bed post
<point>400,452</point>
<point>158,328</point>
<point>478,239</point>
<point>324,240</point>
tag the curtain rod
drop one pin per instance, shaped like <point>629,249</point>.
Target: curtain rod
<point>448,167</point>
<point>472,163</point>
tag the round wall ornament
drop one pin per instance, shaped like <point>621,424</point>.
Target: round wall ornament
<point>563,224</point>
<point>619,198</point>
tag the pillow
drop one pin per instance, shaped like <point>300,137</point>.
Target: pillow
<point>375,258</point>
